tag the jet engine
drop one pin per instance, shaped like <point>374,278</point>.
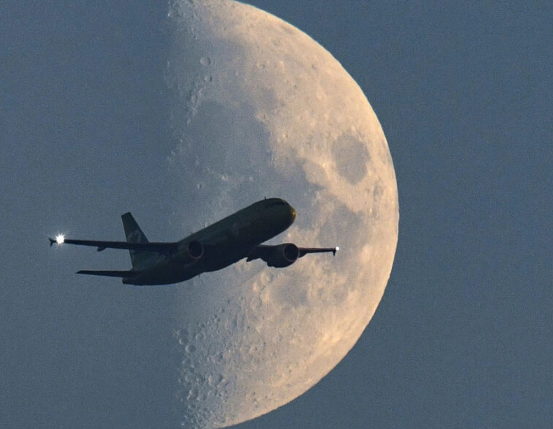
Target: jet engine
<point>282,255</point>
<point>191,251</point>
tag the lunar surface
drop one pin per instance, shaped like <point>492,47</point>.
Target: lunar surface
<point>261,110</point>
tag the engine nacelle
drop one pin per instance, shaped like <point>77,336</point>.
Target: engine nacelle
<point>283,255</point>
<point>191,251</point>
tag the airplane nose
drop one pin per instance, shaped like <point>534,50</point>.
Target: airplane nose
<point>292,214</point>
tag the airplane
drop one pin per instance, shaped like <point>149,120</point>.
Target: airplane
<point>213,248</point>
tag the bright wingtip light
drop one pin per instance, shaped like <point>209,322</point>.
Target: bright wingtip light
<point>60,238</point>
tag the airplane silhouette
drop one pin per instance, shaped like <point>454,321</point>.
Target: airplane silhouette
<point>213,248</point>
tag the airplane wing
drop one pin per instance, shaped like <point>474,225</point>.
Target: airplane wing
<point>305,250</point>
<point>266,250</point>
<point>283,255</point>
<point>102,245</point>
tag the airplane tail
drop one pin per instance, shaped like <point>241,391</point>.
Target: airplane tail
<point>140,259</point>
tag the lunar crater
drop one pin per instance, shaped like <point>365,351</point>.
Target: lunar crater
<point>351,157</point>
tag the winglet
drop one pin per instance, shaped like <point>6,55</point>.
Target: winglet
<point>60,239</point>
<point>335,250</point>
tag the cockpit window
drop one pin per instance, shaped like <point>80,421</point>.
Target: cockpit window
<point>274,203</point>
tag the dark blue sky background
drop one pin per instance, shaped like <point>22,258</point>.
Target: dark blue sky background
<point>464,334</point>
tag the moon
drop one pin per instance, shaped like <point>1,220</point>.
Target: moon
<point>259,109</point>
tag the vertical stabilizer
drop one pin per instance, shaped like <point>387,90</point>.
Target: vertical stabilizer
<point>140,259</point>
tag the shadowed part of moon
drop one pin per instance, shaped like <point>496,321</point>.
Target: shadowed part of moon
<point>351,157</point>
<point>233,172</point>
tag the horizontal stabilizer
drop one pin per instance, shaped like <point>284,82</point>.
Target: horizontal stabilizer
<point>122,274</point>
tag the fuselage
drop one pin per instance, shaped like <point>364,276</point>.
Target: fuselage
<point>222,243</point>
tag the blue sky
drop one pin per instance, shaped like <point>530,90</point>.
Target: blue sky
<point>464,334</point>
